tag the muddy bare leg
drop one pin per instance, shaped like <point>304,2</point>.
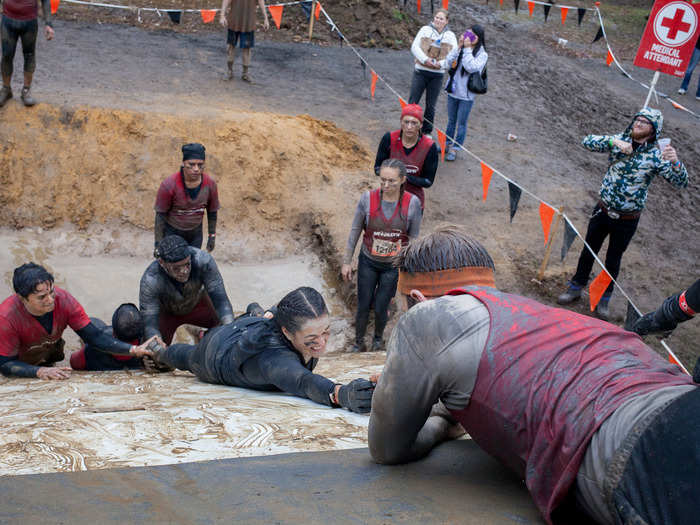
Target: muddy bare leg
<point>245,55</point>
<point>231,57</point>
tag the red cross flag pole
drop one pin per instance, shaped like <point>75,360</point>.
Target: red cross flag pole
<point>669,39</point>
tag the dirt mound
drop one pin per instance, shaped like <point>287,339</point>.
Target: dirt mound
<point>107,164</point>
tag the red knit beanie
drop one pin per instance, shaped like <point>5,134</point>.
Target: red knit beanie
<point>412,110</point>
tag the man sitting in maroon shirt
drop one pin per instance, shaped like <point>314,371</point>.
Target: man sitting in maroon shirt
<point>19,22</point>
<point>182,199</point>
<point>33,320</point>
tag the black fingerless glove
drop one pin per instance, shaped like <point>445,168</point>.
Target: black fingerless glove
<point>211,243</point>
<point>663,319</point>
<point>356,396</point>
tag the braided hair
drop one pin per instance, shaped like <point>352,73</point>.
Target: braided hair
<point>299,306</point>
<point>401,167</point>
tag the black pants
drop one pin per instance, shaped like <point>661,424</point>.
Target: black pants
<point>600,226</point>
<point>96,360</point>
<point>193,237</point>
<point>200,359</point>
<point>430,83</point>
<point>374,281</point>
<point>660,479</point>
<point>11,31</point>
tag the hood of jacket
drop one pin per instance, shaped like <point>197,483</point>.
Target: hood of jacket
<point>652,115</point>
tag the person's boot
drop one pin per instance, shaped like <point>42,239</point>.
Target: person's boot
<point>229,71</point>
<point>572,293</point>
<point>5,95</point>
<point>27,97</point>
<point>255,310</point>
<point>602,309</point>
<point>245,76</point>
<point>358,346</point>
<point>377,344</point>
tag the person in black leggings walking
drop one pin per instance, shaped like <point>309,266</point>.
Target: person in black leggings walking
<point>390,217</point>
<point>19,22</point>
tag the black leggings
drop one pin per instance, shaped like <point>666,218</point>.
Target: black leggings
<point>374,281</point>
<point>600,226</point>
<point>430,83</point>
<point>192,237</point>
<point>12,30</point>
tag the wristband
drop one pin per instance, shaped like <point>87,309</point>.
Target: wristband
<point>212,235</point>
<point>131,350</point>
<point>333,398</point>
<point>610,143</point>
<point>677,164</point>
<point>683,303</point>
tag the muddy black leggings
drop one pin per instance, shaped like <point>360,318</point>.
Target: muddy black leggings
<point>376,281</point>
<point>11,31</point>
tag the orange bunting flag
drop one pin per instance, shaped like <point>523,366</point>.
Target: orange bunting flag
<point>501,2</point>
<point>276,12</point>
<point>674,360</point>
<point>609,58</point>
<point>564,12</point>
<point>597,288</point>
<point>317,11</point>
<point>486,172</point>
<point>442,140</point>
<point>402,102</point>
<point>374,83</point>
<point>546,215</point>
<point>208,15</point>
<point>677,105</point>
<point>418,6</point>
<point>531,7</point>
<point>54,6</point>
<point>445,4</point>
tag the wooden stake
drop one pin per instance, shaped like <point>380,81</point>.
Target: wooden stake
<point>550,243</point>
<point>311,19</point>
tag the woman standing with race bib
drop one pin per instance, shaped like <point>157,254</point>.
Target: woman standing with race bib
<point>389,217</point>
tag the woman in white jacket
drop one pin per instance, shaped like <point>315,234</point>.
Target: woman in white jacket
<point>472,57</point>
<point>431,45</point>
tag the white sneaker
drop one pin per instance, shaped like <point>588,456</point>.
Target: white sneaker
<point>682,91</point>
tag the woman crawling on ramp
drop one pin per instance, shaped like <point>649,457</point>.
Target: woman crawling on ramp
<point>272,354</point>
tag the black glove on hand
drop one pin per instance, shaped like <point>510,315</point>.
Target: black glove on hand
<point>211,242</point>
<point>663,319</point>
<point>356,396</point>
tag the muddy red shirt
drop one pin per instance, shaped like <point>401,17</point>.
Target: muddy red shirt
<point>20,330</point>
<point>384,236</point>
<point>413,161</point>
<point>181,211</point>
<point>546,381</point>
<point>20,9</point>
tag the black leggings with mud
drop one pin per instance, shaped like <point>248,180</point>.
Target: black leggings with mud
<point>11,31</point>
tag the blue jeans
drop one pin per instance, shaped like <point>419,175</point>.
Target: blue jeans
<point>686,79</point>
<point>457,115</point>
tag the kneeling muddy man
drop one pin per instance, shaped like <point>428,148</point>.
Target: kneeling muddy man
<point>127,325</point>
<point>183,286</point>
<point>33,320</point>
<point>277,354</point>
<point>575,406</point>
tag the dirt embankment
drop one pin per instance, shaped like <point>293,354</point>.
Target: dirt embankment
<point>101,165</point>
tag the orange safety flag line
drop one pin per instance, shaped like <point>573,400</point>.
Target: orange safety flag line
<point>597,288</point>
<point>418,6</point>
<point>442,140</point>
<point>402,102</point>
<point>486,172</point>
<point>546,215</point>
<point>501,2</point>
<point>318,10</point>
<point>445,4</point>
<point>531,7</point>
<point>374,83</point>
<point>609,58</point>
<point>677,105</point>
<point>276,12</point>
<point>208,15</point>
<point>564,12</point>
<point>54,6</point>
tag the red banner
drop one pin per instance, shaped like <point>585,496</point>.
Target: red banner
<point>669,37</point>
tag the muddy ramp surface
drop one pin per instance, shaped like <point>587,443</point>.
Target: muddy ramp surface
<point>457,483</point>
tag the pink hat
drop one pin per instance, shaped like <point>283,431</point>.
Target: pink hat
<point>412,110</point>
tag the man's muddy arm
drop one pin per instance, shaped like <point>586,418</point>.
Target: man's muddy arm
<point>214,284</point>
<point>11,366</point>
<point>159,227</point>
<point>46,8</point>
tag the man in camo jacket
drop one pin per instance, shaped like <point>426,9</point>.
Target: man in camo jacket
<point>635,157</point>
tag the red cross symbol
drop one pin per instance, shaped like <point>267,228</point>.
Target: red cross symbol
<point>675,24</point>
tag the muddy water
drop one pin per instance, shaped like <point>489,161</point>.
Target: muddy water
<point>116,419</point>
<point>102,270</point>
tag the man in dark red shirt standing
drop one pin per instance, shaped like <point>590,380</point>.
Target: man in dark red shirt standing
<point>19,21</point>
<point>33,320</point>
<point>182,199</point>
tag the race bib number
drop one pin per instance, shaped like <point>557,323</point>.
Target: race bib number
<point>386,244</point>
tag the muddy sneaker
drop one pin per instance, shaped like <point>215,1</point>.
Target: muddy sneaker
<point>377,344</point>
<point>5,95</point>
<point>450,155</point>
<point>572,293</point>
<point>255,310</point>
<point>602,309</point>
<point>681,91</point>
<point>27,97</point>
<point>358,347</point>
<point>229,75</point>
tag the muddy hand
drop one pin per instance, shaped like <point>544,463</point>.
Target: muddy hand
<point>222,20</point>
<point>145,349</point>
<point>53,372</point>
<point>669,154</point>
<point>346,272</point>
<point>374,378</point>
<point>624,147</point>
<point>48,32</point>
<point>356,396</point>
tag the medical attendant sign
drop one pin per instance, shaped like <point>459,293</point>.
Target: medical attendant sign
<point>669,37</point>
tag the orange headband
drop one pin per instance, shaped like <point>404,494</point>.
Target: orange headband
<point>435,284</point>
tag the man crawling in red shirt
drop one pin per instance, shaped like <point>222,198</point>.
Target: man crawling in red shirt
<point>33,320</point>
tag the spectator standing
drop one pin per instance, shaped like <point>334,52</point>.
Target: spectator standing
<point>240,20</point>
<point>469,57</point>
<point>691,67</point>
<point>430,46</point>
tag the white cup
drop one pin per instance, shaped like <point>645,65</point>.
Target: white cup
<point>663,143</point>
